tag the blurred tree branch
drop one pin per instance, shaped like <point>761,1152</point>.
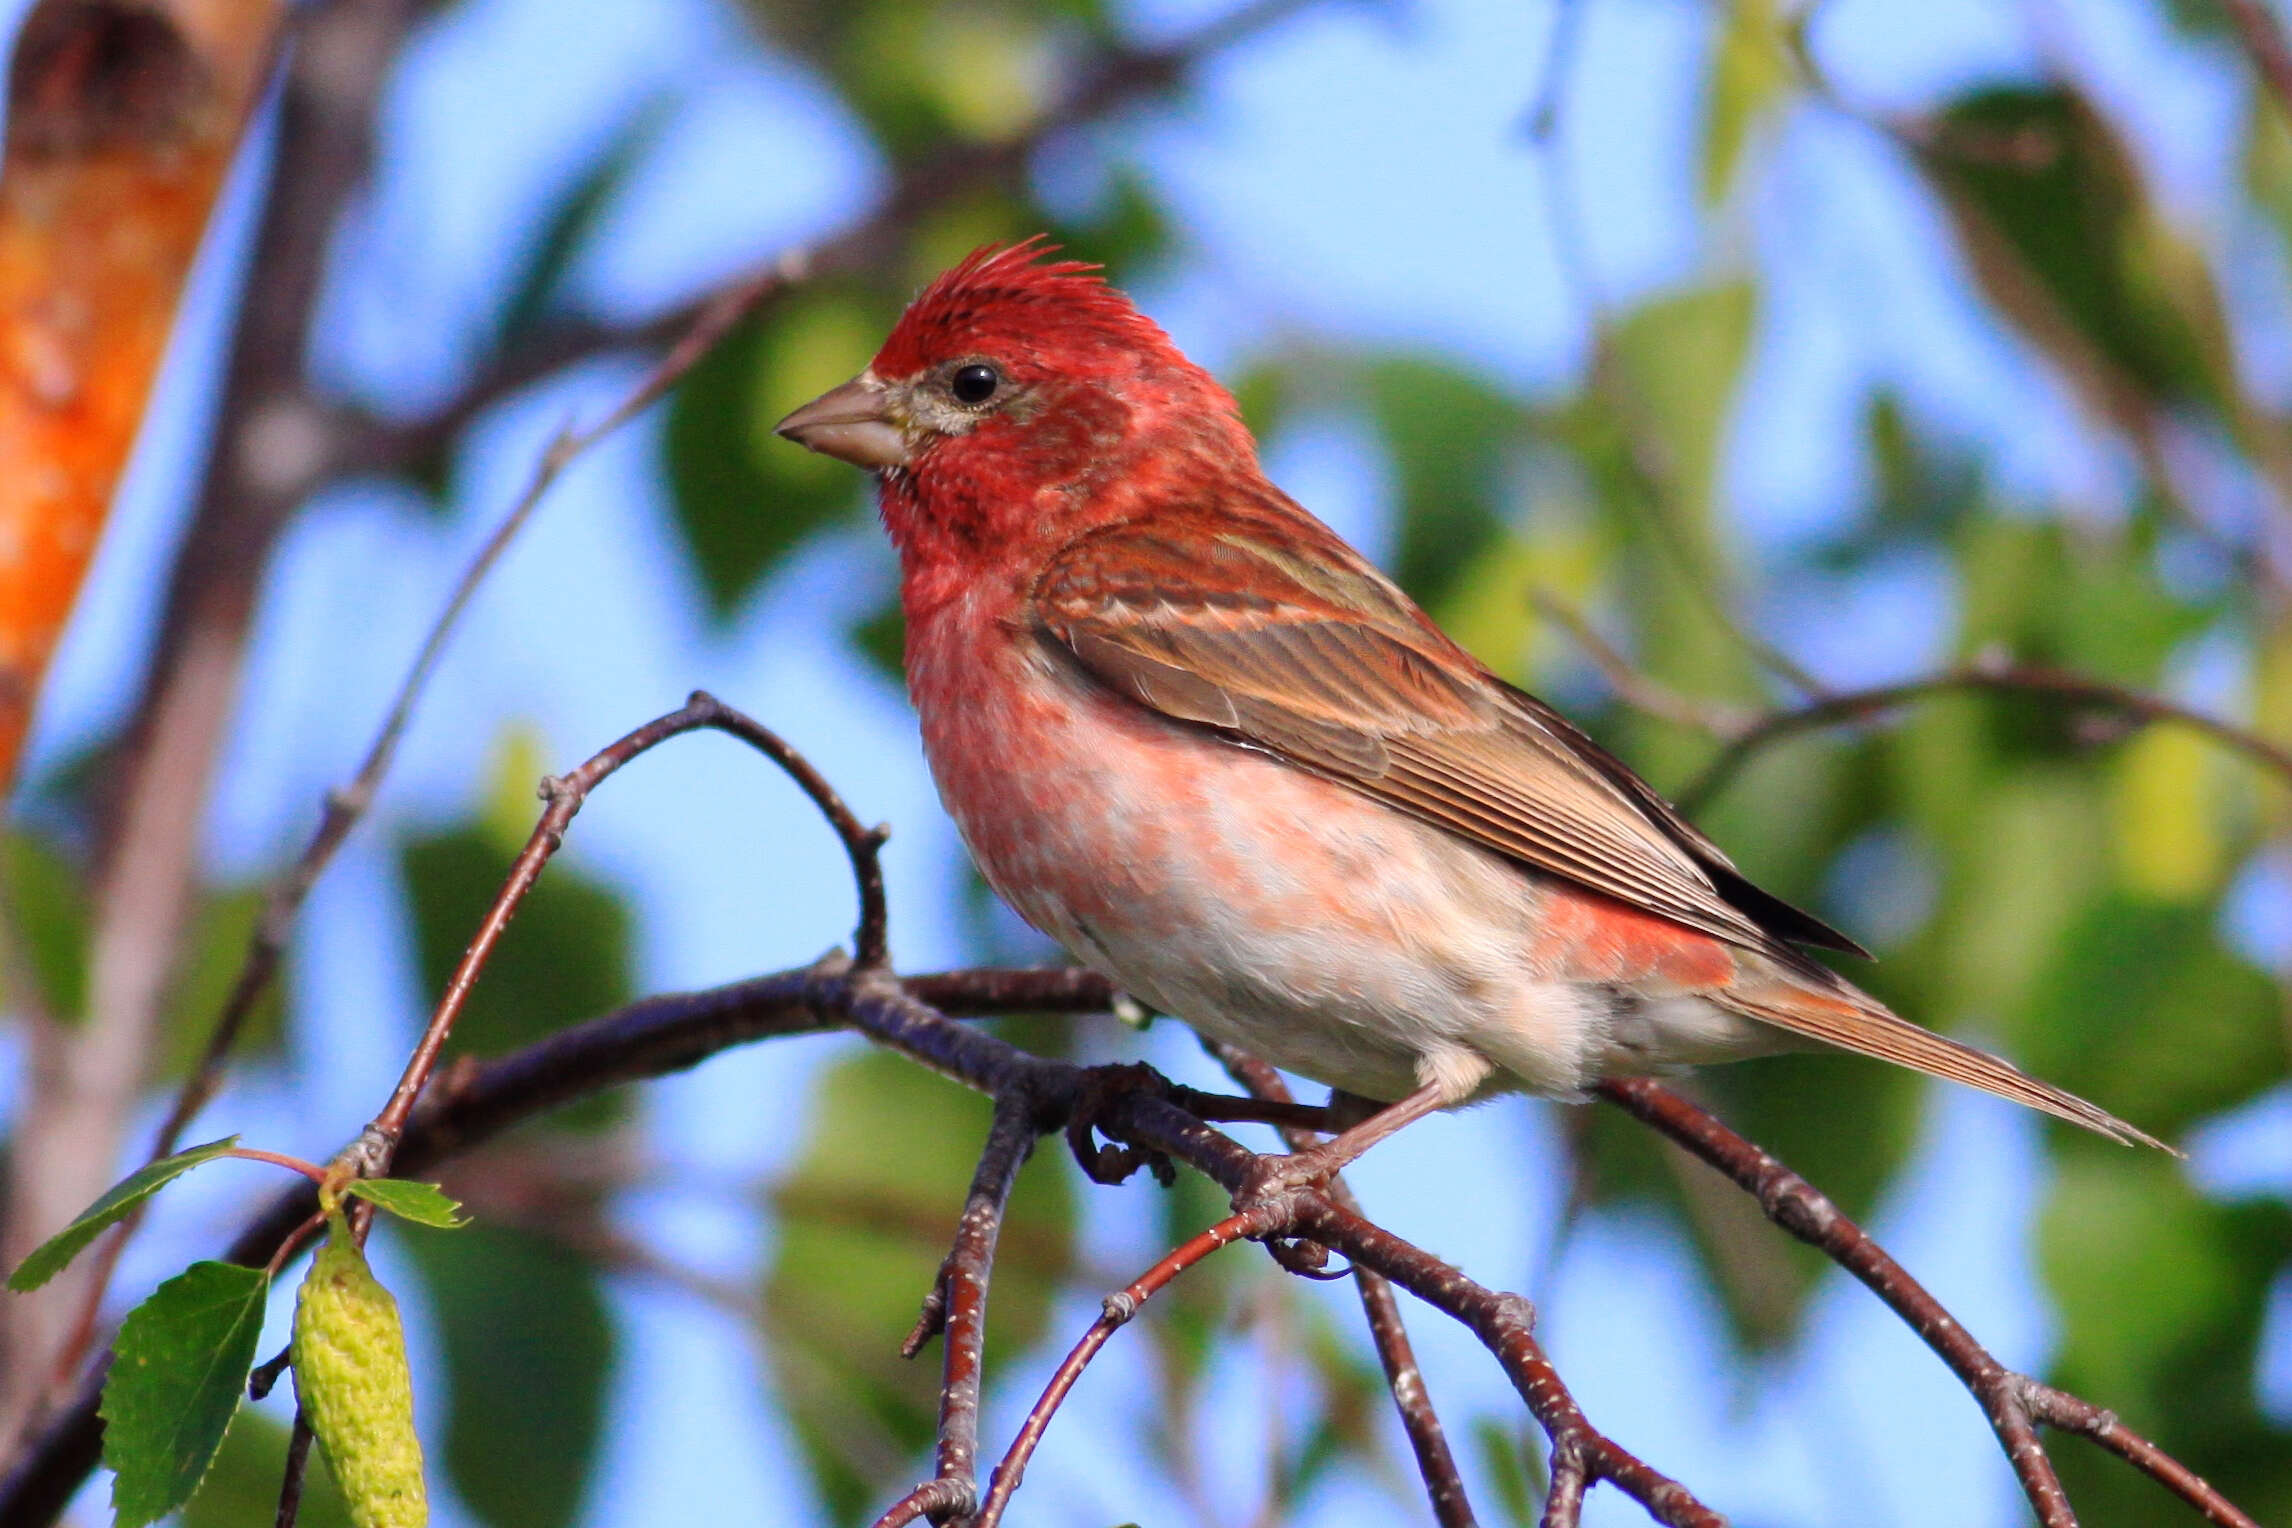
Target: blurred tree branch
<point>121,120</point>
<point>85,1079</point>
<point>1744,734</point>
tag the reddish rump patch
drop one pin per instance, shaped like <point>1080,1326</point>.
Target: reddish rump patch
<point>1590,938</point>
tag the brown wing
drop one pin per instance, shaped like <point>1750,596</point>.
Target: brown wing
<point>1318,658</point>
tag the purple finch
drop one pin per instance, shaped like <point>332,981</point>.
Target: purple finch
<point>1197,739</point>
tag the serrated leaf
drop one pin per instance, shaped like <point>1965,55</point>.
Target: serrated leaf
<point>50,1257</point>
<point>178,1369</point>
<point>423,1203</point>
<point>530,1351</point>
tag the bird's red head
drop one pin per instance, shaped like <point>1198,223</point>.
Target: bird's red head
<point>1016,397</point>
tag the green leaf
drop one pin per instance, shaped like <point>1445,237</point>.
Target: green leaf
<point>1449,434</point>
<point>2067,244</point>
<point>565,958</point>
<point>1507,1454</point>
<point>2160,1294</point>
<point>864,1220</point>
<point>1751,71</point>
<point>744,497</point>
<point>1847,1122</point>
<point>1126,231</point>
<point>45,898</point>
<point>1651,435</point>
<point>177,1372</point>
<point>881,637</point>
<point>50,1257</point>
<point>215,951</point>
<point>529,1349</point>
<point>2144,1011</point>
<point>575,216</point>
<point>423,1203</point>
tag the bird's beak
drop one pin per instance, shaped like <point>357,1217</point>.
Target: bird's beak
<point>850,423</point>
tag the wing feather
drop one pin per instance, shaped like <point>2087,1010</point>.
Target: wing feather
<point>1319,659</point>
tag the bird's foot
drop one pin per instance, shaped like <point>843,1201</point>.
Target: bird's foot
<point>1274,1176</point>
<point>1273,1179</point>
<point>1113,1163</point>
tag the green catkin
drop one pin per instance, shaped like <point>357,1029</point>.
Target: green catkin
<point>351,1375</point>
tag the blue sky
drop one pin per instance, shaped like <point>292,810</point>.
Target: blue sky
<point>1359,172</point>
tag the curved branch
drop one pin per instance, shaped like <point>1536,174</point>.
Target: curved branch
<point>2014,1402</point>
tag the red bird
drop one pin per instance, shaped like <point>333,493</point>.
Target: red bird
<point>1193,736</point>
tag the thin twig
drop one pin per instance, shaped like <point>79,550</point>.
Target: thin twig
<point>1119,1309</point>
<point>1436,1464</point>
<point>347,805</point>
<point>73,1123</point>
<point>2010,1399</point>
<point>2062,685</point>
<point>1644,457</point>
<point>668,1033</point>
<point>956,1308</point>
<point>297,1468</point>
<point>1119,77</point>
<point>1634,686</point>
<point>665,1034</point>
<point>2263,38</point>
<point>564,795</point>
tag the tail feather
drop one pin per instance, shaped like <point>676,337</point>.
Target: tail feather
<point>1853,1021</point>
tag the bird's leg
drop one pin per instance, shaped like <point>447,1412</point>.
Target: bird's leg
<point>1316,1163</point>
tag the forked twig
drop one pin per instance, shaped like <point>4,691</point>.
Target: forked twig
<point>2013,1402</point>
<point>956,1308</point>
<point>1117,1312</point>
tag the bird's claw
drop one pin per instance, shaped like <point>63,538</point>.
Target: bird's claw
<point>1273,1177</point>
<point>1111,1163</point>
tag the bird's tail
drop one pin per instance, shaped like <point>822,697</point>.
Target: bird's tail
<point>1825,1008</point>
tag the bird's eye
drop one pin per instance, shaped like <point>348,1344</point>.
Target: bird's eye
<point>974,384</point>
